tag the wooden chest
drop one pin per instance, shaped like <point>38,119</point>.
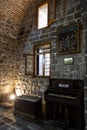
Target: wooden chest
<point>31,106</point>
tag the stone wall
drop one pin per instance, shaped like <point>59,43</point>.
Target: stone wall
<point>66,13</point>
<point>11,14</point>
<point>84,19</point>
<point>85,87</point>
<point>13,9</point>
<point>12,62</point>
<point>7,60</point>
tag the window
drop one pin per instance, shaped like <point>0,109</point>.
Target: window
<point>38,63</point>
<point>29,64</point>
<point>42,60</point>
<point>46,14</point>
<point>43,16</point>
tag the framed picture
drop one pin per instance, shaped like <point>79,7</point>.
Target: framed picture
<point>69,39</point>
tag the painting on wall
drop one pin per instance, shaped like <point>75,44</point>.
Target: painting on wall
<point>69,39</point>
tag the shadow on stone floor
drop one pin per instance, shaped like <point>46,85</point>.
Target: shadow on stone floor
<point>10,121</point>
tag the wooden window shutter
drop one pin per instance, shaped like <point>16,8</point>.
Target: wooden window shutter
<point>29,64</point>
<point>52,11</point>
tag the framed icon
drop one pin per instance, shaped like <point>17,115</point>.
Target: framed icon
<point>69,39</point>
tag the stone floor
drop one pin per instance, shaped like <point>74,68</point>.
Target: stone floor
<point>8,121</point>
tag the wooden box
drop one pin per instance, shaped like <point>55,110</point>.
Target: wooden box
<point>31,106</point>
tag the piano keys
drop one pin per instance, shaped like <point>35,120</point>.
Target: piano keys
<point>62,96</point>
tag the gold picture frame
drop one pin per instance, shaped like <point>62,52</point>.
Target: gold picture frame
<point>69,39</point>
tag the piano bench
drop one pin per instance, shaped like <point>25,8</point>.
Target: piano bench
<point>29,106</point>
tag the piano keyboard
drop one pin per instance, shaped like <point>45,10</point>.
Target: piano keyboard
<point>63,96</point>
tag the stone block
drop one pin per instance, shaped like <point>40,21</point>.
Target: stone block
<point>76,1</point>
<point>85,81</point>
<point>86,42</point>
<point>77,15</point>
<point>71,11</point>
<point>85,103</point>
<point>1,61</point>
<point>44,36</point>
<point>55,74</point>
<point>70,18</point>
<point>85,93</point>
<point>78,7</point>
<point>84,21</point>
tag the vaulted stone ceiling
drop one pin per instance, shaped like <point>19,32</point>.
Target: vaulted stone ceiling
<point>12,12</point>
<point>11,15</point>
<point>13,9</point>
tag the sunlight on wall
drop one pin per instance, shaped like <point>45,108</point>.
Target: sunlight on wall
<point>19,91</point>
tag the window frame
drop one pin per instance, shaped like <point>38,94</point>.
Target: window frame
<point>35,62</point>
<point>27,72</point>
<point>50,21</point>
<point>46,2</point>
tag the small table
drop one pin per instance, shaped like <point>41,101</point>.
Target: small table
<point>29,105</point>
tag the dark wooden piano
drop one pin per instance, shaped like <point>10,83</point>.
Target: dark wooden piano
<point>65,103</point>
